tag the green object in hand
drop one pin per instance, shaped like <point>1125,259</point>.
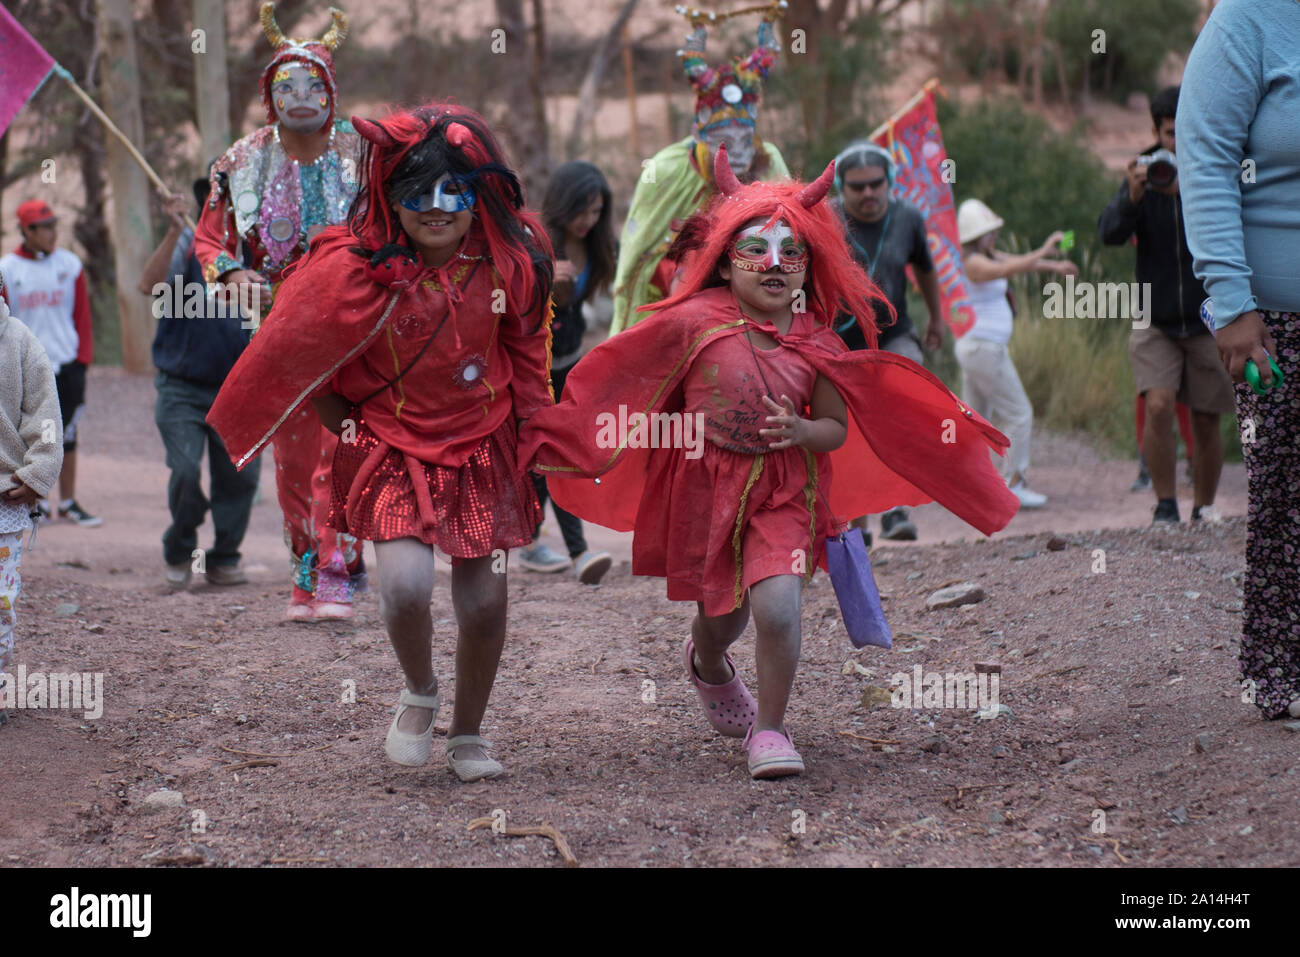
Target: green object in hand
<point>1252,376</point>
<point>1067,241</point>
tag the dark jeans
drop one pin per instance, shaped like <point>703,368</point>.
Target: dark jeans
<point>570,524</point>
<point>179,412</point>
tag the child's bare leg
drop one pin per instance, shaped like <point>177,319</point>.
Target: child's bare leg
<point>712,637</point>
<point>479,596</point>
<point>405,586</point>
<point>777,618</point>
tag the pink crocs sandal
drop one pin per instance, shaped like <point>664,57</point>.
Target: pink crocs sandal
<point>772,755</point>
<point>730,708</point>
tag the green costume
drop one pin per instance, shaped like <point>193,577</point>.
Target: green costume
<point>670,188</point>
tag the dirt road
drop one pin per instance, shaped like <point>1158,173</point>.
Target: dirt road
<point>1113,679</point>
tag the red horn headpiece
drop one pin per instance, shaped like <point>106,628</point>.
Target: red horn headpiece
<point>722,173</point>
<point>815,192</point>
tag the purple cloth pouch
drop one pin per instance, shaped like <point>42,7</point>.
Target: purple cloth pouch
<point>855,590</point>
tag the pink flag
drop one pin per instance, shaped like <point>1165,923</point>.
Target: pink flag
<point>922,178</point>
<point>24,66</point>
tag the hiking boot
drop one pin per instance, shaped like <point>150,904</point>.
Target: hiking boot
<point>542,558</point>
<point>226,575</point>
<point>75,513</point>
<point>1166,513</point>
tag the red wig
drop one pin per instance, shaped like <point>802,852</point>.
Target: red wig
<point>835,282</point>
<point>407,151</point>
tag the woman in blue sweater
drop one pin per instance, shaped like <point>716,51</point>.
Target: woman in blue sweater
<point>1238,132</point>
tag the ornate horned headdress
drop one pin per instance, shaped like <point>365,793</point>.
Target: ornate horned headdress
<point>314,54</point>
<point>731,91</point>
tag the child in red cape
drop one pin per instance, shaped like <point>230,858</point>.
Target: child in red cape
<point>421,333</point>
<point>795,429</point>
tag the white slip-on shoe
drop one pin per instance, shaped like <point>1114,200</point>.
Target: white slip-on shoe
<point>412,750</point>
<point>472,770</point>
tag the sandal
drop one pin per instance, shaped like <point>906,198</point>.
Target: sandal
<point>412,750</point>
<point>730,707</point>
<point>772,754</point>
<point>472,769</point>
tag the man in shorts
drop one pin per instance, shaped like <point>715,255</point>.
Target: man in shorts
<point>46,290</point>
<point>1173,354</point>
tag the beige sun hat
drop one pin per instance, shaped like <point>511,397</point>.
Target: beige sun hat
<point>974,219</point>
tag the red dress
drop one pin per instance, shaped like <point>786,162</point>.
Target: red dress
<point>715,524</point>
<point>440,380</point>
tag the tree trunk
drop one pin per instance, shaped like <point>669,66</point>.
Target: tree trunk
<point>525,122</point>
<point>211,91</point>
<point>132,239</point>
<point>587,93</point>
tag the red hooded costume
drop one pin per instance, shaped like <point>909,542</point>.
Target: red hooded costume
<point>440,363</point>
<point>714,520</point>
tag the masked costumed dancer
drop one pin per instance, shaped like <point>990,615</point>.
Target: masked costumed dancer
<point>271,193</point>
<point>678,180</point>
<point>424,326</point>
<point>746,349</point>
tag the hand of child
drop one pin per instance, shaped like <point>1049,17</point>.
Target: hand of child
<point>22,494</point>
<point>788,428</point>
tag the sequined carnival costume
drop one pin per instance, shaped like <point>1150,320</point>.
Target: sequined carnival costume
<point>264,208</point>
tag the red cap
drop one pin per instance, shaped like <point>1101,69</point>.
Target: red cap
<point>34,211</point>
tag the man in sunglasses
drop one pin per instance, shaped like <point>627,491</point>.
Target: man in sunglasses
<point>886,234</point>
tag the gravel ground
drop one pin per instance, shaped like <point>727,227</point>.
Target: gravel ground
<point>1124,741</point>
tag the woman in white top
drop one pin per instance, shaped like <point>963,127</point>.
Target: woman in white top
<point>989,382</point>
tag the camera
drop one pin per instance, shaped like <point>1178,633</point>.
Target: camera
<point>1162,168</point>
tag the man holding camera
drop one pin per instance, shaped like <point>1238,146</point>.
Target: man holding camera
<point>1174,358</point>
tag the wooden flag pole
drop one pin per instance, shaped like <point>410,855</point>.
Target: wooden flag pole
<point>112,128</point>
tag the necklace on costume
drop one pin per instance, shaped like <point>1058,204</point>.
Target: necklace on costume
<point>873,261</point>
<point>318,160</point>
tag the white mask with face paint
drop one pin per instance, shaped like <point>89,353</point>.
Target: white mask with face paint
<point>301,101</point>
<point>739,138</point>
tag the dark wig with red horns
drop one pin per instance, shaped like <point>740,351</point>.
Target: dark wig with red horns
<point>407,151</point>
<point>835,283</point>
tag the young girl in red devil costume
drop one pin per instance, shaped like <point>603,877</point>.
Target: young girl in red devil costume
<point>421,333</point>
<point>795,427</point>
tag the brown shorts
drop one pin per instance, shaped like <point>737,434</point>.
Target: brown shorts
<point>1190,367</point>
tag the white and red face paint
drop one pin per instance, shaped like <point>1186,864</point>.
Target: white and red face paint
<point>758,249</point>
<point>300,96</point>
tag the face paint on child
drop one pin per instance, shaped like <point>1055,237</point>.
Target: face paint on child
<point>301,98</point>
<point>767,269</point>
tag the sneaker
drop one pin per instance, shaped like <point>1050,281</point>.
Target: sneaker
<point>300,605</point>
<point>226,575</point>
<point>75,513</point>
<point>178,576</point>
<point>1028,498</point>
<point>896,526</point>
<point>1143,481</point>
<point>590,567</point>
<point>542,558</point>
<point>1209,514</point>
<point>1166,513</point>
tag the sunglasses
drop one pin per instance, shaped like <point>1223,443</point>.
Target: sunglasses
<point>449,193</point>
<point>870,184</point>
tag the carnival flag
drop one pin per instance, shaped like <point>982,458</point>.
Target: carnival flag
<point>24,66</point>
<point>922,177</point>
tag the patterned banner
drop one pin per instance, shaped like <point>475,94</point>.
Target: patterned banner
<point>24,66</point>
<point>916,143</point>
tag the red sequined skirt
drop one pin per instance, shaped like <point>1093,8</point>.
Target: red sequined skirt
<point>381,493</point>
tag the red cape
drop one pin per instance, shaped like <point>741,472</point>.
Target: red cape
<point>910,440</point>
<point>325,314</point>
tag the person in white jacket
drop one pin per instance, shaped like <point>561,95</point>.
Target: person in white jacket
<point>31,456</point>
